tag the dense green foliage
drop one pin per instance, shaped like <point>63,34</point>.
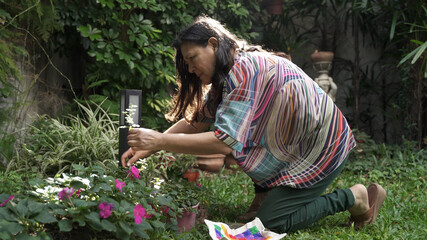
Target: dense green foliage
<point>52,146</point>
<point>128,44</point>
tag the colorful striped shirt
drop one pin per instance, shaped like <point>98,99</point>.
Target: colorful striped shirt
<point>283,128</point>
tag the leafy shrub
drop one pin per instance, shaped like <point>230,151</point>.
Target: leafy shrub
<point>53,145</point>
<point>127,44</point>
<point>169,171</point>
<point>89,204</point>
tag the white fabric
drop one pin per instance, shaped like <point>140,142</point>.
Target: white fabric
<point>251,230</point>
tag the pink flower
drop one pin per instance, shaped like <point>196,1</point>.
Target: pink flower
<point>120,185</point>
<point>198,184</point>
<point>66,193</point>
<point>106,209</point>
<point>7,200</point>
<point>139,213</point>
<point>78,192</point>
<point>133,173</point>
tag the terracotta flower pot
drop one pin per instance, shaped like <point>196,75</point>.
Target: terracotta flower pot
<point>322,56</point>
<point>192,175</point>
<point>274,7</point>
<point>188,219</point>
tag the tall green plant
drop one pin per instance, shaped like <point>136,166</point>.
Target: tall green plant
<point>52,145</point>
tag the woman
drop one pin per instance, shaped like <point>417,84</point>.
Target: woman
<point>277,123</point>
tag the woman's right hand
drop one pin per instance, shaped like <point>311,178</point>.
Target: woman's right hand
<point>133,156</point>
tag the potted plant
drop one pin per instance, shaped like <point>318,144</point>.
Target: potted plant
<point>184,167</point>
<point>186,195</point>
<point>173,176</point>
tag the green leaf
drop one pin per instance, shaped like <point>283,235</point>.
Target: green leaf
<point>162,200</point>
<point>122,234</point>
<point>21,208</point>
<point>6,214</point>
<point>393,24</point>
<point>27,236</point>
<point>45,217</point>
<point>94,220</point>
<point>157,224</point>
<point>97,83</point>
<point>10,227</point>
<point>65,225</point>
<point>35,207</point>
<point>77,184</point>
<point>144,225</point>
<point>105,186</point>
<point>131,64</point>
<point>421,50</point>
<point>139,229</point>
<point>407,57</point>
<point>425,72</point>
<point>125,226</point>
<point>78,167</point>
<point>59,211</point>
<point>418,42</point>
<point>83,203</point>
<point>126,205</point>
<point>36,182</point>
<point>80,221</point>
<point>4,235</point>
<point>101,45</point>
<point>108,226</point>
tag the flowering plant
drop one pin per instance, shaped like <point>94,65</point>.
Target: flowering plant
<point>129,113</point>
<point>171,169</point>
<point>103,206</point>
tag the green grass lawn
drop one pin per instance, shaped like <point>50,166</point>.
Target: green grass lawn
<point>402,216</point>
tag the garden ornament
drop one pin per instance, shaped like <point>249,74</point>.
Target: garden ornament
<point>322,63</point>
<point>130,116</point>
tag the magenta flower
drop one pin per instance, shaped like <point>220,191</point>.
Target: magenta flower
<point>133,173</point>
<point>7,200</point>
<point>120,185</point>
<point>78,192</point>
<point>66,193</point>
<point>198,184</point>
<point>139,213</point>
<point>106,209</point>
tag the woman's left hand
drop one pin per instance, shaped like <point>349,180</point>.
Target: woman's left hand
<point>140,139</point>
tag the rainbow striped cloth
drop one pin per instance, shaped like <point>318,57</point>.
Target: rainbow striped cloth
<point>250,231</point>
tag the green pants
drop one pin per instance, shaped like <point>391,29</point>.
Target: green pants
<point>288,209</point>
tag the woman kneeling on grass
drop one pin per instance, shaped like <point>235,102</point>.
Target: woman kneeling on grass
<point>282,129</point>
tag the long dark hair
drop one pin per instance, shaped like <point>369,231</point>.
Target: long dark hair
<point>188,102</point>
